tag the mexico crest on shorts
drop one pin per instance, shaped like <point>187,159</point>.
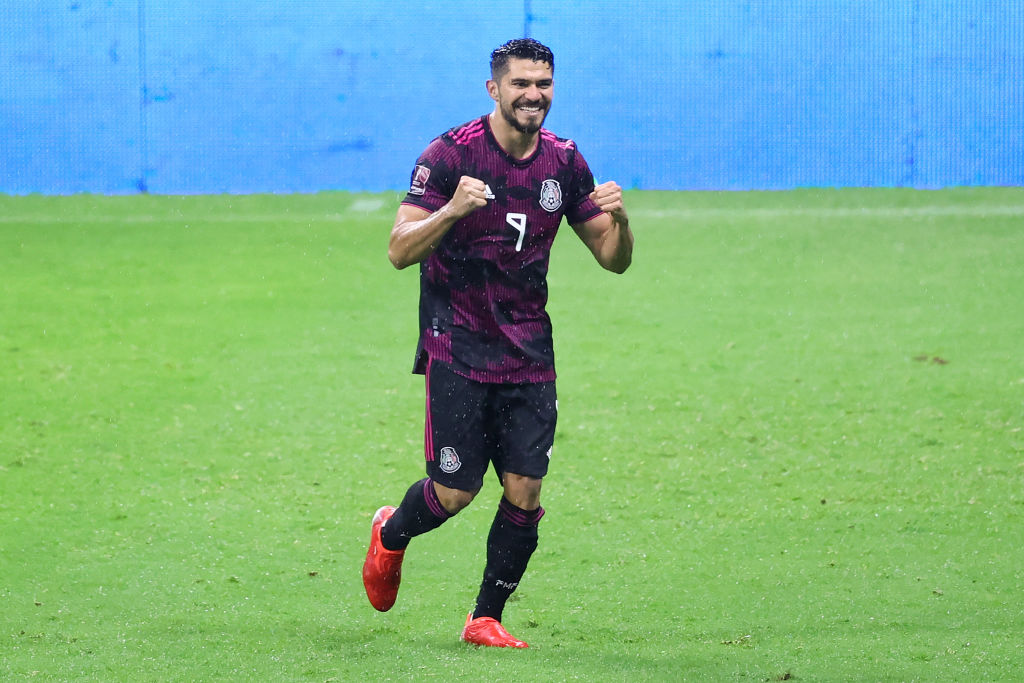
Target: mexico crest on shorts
<point>449,461</point>
<point>550,195</point>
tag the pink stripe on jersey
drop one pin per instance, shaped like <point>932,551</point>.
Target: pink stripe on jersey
<point>547,135</point>
<point>468,132</point>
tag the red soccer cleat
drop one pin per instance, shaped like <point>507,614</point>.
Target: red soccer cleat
<point>382,571</point>
<point>488,631</point>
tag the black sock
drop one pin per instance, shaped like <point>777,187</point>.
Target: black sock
<point>512,540</point>
<point>419,512</point>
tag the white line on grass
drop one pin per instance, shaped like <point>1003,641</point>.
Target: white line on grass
<point>833,212</point>
<point>368,206</point>
<point>360,208</point>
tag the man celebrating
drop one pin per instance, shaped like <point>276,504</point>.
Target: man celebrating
<point>485,202</point>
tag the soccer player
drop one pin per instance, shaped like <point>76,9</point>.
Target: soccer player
<point>485,201</point>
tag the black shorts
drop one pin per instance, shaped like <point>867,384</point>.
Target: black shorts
<point>470,424</point>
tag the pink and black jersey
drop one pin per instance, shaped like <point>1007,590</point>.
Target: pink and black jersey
<point>483,291</point>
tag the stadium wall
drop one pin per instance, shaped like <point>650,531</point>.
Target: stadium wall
<point>268,96</point>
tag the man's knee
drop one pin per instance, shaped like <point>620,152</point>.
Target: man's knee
<point>454,500</point>
<point>522,491</point>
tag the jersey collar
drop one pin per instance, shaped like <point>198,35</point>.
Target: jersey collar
<point>497,145</point>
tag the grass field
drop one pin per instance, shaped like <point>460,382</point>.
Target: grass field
<point>789,445</point>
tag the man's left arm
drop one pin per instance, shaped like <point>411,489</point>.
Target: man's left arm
<point>607,234</point>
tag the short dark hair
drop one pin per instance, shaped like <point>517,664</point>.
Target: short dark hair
<point>520,48</point>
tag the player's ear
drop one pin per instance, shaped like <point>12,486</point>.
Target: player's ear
<point>492,89</point>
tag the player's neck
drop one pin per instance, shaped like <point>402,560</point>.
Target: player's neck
<point>517,144</point>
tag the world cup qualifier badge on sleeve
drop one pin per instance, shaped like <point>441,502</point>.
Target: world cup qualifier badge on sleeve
<point>420,175</point>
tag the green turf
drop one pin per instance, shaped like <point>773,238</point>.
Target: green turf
<point>789,445</point>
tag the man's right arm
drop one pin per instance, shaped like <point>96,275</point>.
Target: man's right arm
<point>417,232</point>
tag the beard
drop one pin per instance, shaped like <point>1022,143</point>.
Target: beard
<point>509,114</point>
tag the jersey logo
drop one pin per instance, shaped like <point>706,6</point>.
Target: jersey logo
<point>488,192</point>
<point>419,180</point>
<point>449,460</point>
<point>550,195</point>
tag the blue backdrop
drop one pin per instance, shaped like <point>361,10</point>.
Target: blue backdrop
<point>119,96</point>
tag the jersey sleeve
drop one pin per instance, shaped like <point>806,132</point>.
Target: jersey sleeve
<point>431,185</point>
<point>581,207</point>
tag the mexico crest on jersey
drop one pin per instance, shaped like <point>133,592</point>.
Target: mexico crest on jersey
<point>550,195</point>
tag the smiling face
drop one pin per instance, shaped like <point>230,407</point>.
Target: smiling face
<point>523,94</point>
